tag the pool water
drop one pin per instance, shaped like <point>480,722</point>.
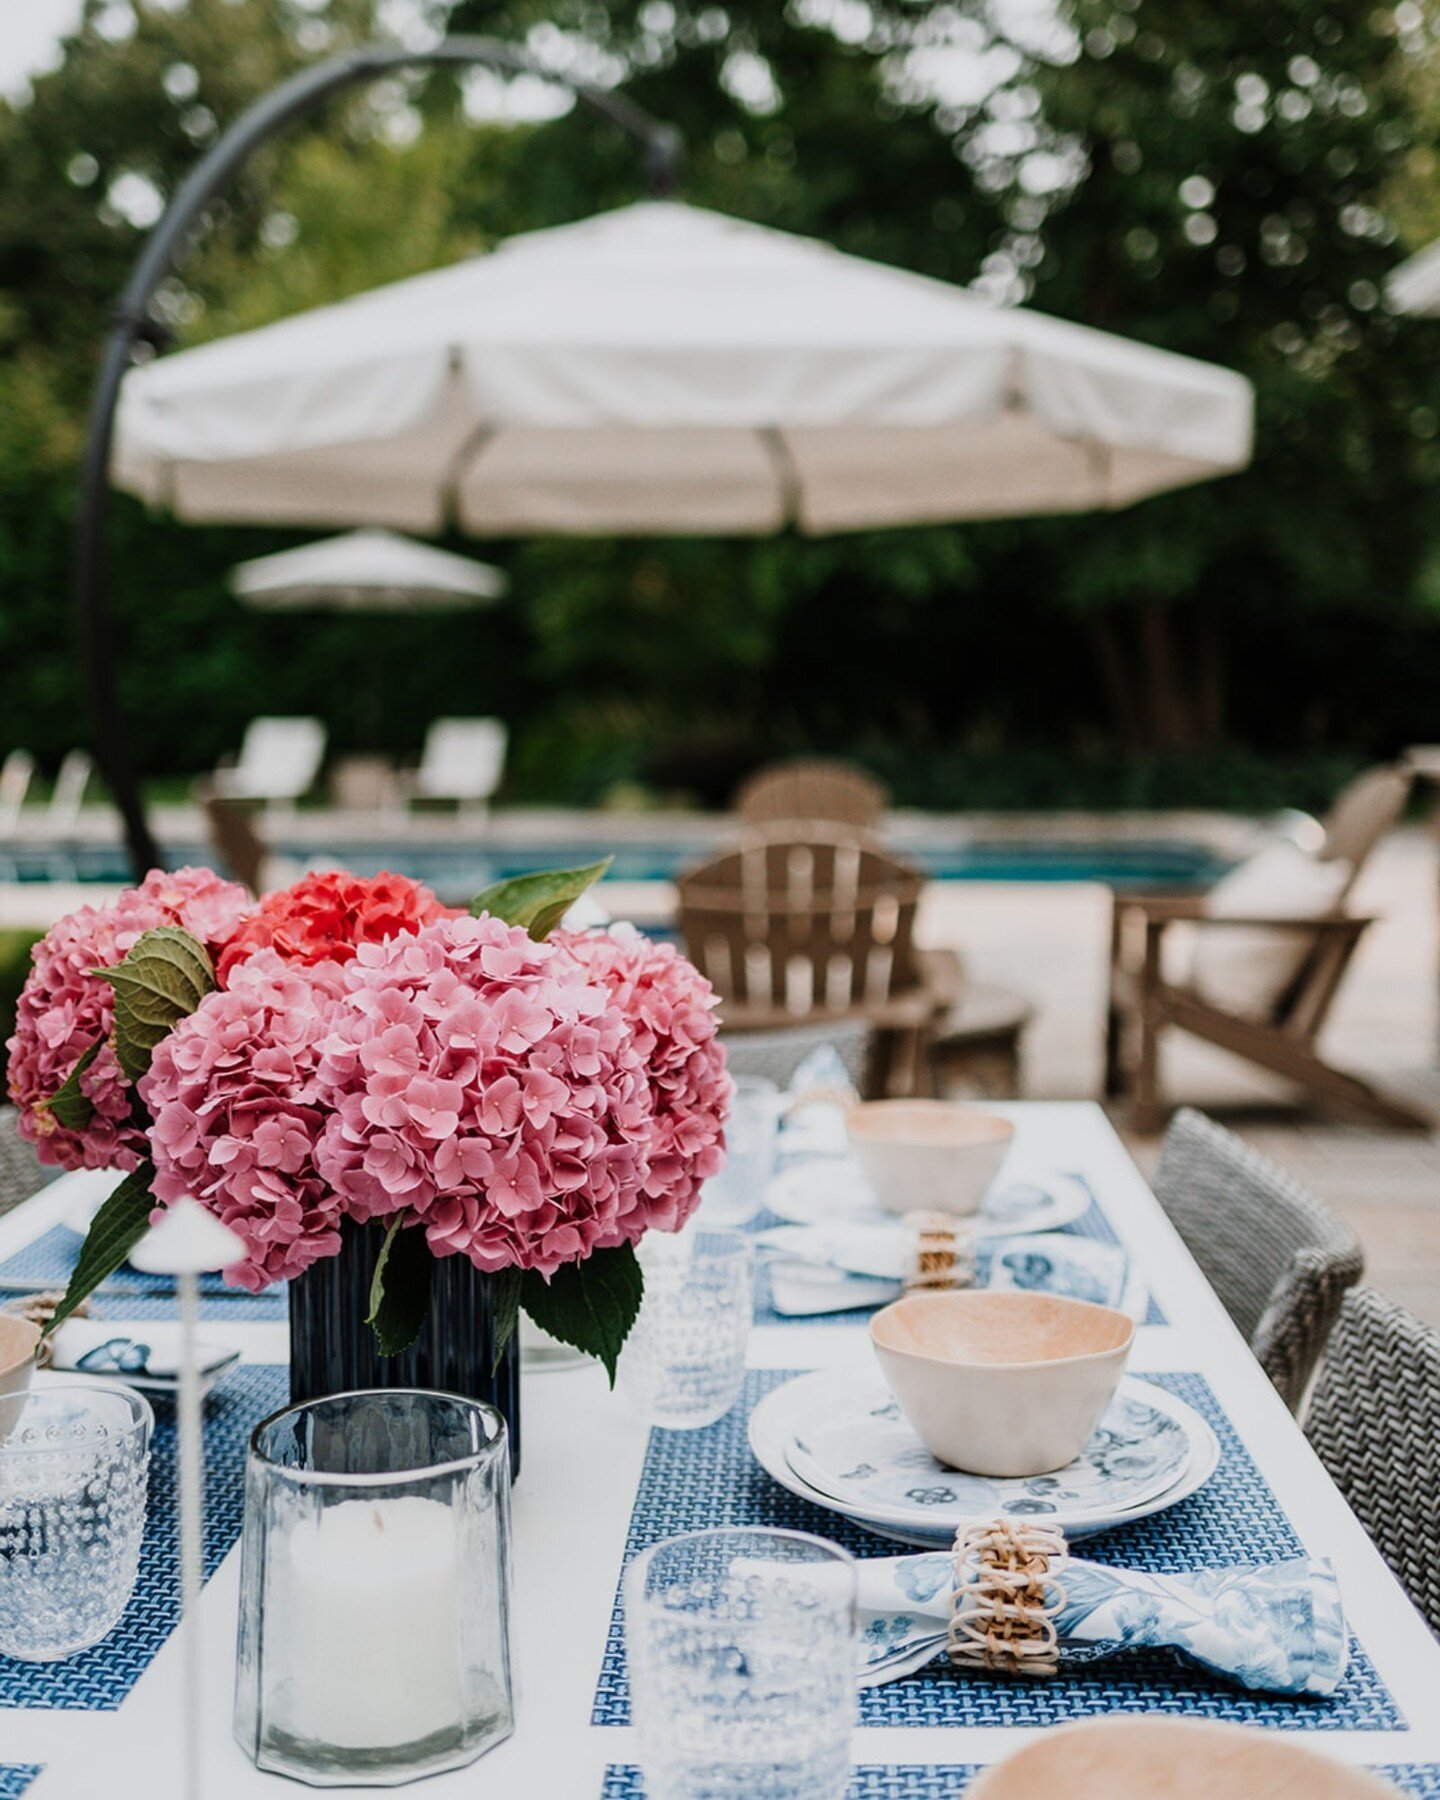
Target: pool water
<point>457,871</point>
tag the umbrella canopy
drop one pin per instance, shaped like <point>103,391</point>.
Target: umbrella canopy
<point>1414,287</point>
<point>367,571</point>
<point>666,369</point>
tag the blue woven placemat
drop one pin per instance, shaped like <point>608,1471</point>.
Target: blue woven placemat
<point>16,1777</point>
<point>1092,1223</point>
<point>942,1781</point>
<point>98,1680</point>
<point>696,1479</point>
<point>128,1294</point>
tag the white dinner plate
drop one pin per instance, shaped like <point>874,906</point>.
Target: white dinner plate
<point>828,1190</point>
<point>772,1424</point>
<point>858,1448</point>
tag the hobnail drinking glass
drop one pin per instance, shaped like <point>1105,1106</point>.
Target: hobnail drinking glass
<point>683,1365</point>
<point>73,1476</point>
<point>375,1588</point>
<point>737,1193</point>
<point>741,1646</point>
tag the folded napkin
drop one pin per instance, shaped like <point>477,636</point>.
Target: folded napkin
<point>838,1268</point>
<point>1276,1627</point>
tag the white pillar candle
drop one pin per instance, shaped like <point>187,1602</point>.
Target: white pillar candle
<point>370,1624</point>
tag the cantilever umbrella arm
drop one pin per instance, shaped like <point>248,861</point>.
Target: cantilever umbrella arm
<point>134,325</point>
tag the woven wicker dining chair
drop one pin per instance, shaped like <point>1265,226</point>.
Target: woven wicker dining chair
<point>812,788</point>
<point>1374,1420</point>
<point>1278,1258</point>
<point>21,1173</point>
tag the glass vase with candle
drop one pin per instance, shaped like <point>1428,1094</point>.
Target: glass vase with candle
<point>375,1588</point>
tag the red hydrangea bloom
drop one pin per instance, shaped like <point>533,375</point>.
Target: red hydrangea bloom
<point>670,1008</point>
<point>484,1082</point>
<point>324,917</point>
<point>65,1007</point>
<point>235,1099</point>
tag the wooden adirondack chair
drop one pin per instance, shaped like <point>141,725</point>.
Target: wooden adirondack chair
<point>797,929</point>
<point>1146,1001</point>
<point>812,788</point>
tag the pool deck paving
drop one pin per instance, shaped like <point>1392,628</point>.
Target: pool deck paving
<point>1049,940</point>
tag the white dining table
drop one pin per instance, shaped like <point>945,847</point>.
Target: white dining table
<point>583,1454</point>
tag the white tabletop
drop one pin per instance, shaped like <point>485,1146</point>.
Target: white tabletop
<point>582,1461</point>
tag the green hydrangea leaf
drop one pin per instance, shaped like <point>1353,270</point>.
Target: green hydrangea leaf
<point>163,979</point>
<point>539,901</point>
<point>400,1286</point>
<point>591,1305</point>
<point>114,1232</point>
<point>505,1305</point>
<point>70,1106</point>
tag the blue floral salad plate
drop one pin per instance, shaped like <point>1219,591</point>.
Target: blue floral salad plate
<point>844,1445</point>
<point>831,1190</point>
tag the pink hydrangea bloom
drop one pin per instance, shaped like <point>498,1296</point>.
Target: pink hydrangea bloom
<point>235,1099</point>
<point>484,1082</point>
<point>65,1007</point>
<point>670,1007</point>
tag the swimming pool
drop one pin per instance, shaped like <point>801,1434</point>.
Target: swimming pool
<point>457,871</point>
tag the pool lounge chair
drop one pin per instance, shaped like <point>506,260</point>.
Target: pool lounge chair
<point>798,930</point>
<point>16,773</point>
<point>278,762</point>
<point>811,788</point>
<point>463,761</point>
<point>1298,958</point>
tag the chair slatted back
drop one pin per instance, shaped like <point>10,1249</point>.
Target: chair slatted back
<point>794,926</point>
<point>1362,813</point>
<point>16,773</point>
<point>813,789</point>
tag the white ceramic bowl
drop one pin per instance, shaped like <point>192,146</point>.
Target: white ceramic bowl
<point>19,1341</point>
<point>928,1155</point>
<point>999,1383</point>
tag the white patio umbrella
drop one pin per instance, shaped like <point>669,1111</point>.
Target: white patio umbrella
<point>666,369</point>
<point>1414,285</point>
<point>366,571</point>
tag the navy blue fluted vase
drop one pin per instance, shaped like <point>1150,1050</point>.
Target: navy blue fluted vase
<point>333,1350</point>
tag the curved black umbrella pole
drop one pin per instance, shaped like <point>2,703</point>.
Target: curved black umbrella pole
<point>134,326</point>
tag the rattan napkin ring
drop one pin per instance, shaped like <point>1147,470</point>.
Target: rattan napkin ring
<point>944,1258</point>
<point>1007,1597</point>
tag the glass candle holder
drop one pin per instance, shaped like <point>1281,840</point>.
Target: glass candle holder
<point>375,1588</point>
<point>73,1474</point>
<point>741,1647</point>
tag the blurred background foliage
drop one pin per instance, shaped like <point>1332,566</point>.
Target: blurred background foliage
<point>1229,180</point>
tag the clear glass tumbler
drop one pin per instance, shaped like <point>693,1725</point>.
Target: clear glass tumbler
<point>73,1475</point>
<point>683,1365</point>
<point>742,1655</point>
<point>375,1588</point>
<point>737,1193</point>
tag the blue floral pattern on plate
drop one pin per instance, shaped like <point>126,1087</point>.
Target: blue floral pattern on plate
<point>867,1455</point>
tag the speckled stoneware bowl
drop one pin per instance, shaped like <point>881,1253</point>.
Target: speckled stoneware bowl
<point>1001,1383</point>
<point>19,1342</point>
<point>928,1155</point>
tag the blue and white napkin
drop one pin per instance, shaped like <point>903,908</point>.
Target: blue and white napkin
<point>1275,1627</point>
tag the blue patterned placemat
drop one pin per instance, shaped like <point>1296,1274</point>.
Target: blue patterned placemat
<point>16,1777</point>
<point>942,1781</point>
<point>1092,1224</point>
<point>696,1479</point>
<point>129,1294</point>
<point>98,1680</point>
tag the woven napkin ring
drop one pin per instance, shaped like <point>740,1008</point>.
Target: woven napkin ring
<point>39,1309</point>
<point>1002,1617</point>
<point>943,1258</point>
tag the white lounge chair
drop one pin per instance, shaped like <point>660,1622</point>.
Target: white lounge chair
<point>463,761</point>
<point>16,773</point>
<point>279,760</point>
<point>68,794</point>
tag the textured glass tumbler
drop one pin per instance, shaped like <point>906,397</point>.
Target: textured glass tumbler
<point>375,1588</point>
<point>742,1658</point>
<point>737,1193</point>
<point>683,1364</point>
<point>73,1475</point>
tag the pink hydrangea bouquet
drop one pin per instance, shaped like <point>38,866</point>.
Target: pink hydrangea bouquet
<point>351,1050</point>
